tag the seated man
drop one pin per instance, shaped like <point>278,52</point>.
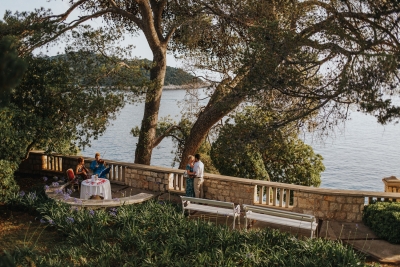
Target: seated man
<point>98,165</point>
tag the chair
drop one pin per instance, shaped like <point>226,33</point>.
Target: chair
<point>72,179</point>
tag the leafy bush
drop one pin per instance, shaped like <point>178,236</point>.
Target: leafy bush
<point>157,234</point>
<point>8,186</point>
<point>258,151</point>
<point>384,219</point>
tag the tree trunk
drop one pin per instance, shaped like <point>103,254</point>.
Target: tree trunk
<point>210,116</point>
<point>147,134</point>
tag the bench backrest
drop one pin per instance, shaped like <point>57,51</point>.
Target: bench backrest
<point>280,213</point>
<point>209,202</point>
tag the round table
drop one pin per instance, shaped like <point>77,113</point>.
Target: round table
<point>100,187</point>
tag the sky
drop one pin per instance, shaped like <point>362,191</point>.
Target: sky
<point>142,49</point>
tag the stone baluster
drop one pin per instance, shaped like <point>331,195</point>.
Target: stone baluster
<point>281,194</point>
<point>287,201</point>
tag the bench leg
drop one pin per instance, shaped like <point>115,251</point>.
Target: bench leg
<point>183,212</point>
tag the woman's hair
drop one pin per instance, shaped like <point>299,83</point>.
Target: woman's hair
<point>80,160</point>
<point>190,157</point>
<point>97,154</point>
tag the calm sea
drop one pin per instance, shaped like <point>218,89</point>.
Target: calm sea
<point>356,157</point>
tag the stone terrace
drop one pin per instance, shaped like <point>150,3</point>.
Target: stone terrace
<point>339,212</point>
<point>325,204</point>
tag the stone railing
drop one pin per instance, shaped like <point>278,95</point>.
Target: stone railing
<point>326,204</point>
<point>392,184</point>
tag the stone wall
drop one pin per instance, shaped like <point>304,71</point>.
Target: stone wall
<point>230,191</point>
<point>154,180</point>
<point>329,207</point>
<point>326,204</point>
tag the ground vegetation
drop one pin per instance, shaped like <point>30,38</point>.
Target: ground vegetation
<point>155,233</point>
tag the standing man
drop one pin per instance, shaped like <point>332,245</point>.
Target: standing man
<point>198,170</point>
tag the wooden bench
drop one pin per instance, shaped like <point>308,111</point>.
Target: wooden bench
<point>281,217</point>
<point>211,206</point>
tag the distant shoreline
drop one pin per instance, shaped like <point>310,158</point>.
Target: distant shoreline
<point>186,86</point>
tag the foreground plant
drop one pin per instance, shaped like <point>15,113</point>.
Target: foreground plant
<point>157,234</point>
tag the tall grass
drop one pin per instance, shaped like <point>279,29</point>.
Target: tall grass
<point>157,234</point>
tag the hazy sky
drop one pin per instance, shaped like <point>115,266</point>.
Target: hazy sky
<point>142,50</point>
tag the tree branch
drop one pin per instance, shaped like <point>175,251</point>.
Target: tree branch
<point>64,16</point>
<point>28,149</point>
<point>127,14</point>
<point>158,140</point>
<point>58,34</point>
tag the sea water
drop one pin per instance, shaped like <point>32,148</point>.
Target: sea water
<point>356,156</point>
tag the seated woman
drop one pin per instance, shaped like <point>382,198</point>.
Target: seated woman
<point>81,172</point>
<point>98,165</point>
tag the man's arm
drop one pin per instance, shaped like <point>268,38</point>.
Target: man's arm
<point>93,165</point>
<point>195,168</point>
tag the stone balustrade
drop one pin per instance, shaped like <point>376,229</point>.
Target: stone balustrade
<point>325,204</point>
<point>392,184</point>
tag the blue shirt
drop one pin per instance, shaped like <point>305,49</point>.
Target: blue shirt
<point>97,168</point>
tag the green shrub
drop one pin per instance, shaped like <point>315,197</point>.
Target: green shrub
<point>384,219</point>
<point>8,186</point>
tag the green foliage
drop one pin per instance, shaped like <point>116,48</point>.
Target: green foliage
<point>27,201</point>
<point>59,104</point>
<point>252,148</point>
<point>204,151</point>
<point>384,219</point>
<point>177,76</point>
<point>11,68</point>
<point>50,112</point>
<point>47,110</point>
<point>295,58</point>
<point>8,186</point>
<point>157,234</point>
<point>94,70</point>
<point>274,52</point>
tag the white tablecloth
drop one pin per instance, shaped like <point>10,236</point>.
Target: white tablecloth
<point>101,187</point>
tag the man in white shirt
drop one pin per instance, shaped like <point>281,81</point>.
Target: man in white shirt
<point>198,170</point>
